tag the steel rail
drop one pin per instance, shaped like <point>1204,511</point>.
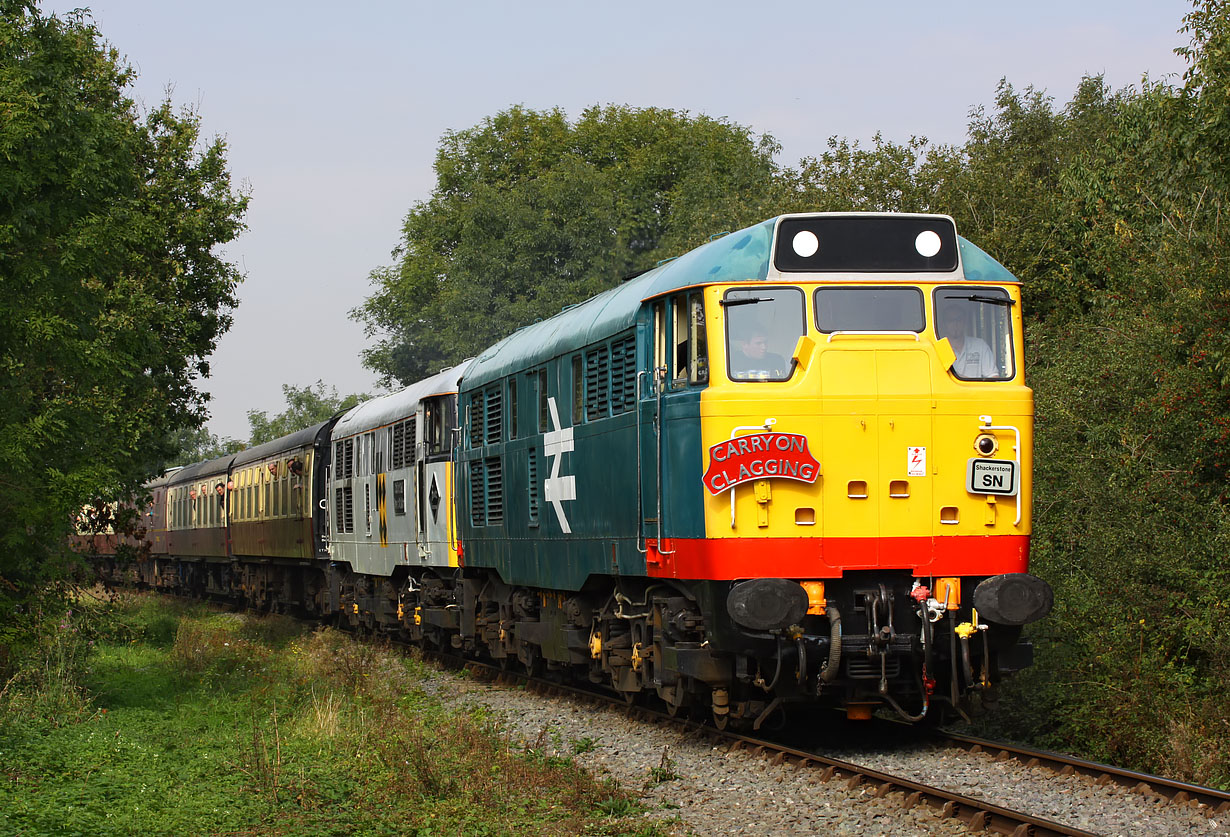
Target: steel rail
<point>1214,800</point>
<point>977,814</point>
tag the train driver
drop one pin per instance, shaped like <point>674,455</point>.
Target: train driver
<point>752,359</point>
<point>975,359</point>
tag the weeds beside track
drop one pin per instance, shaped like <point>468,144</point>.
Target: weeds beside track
<point>147,715</point>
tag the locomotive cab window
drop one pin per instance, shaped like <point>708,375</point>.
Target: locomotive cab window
<point>977,323</point>
<point>680,341</point>
<point>762,327</point>
<point>698,343</point>
<point>869,310</point>
<point>439,418</point>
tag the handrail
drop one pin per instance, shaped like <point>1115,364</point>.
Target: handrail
<point>661,370</point>
<point>1016,452</point>
<point>734,431</point>
<point>640,499</point>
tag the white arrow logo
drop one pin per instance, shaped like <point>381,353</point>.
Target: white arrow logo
<point>555,488</point>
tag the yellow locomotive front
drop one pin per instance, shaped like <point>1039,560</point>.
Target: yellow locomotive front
<point>868,444</point>
<point>909,394</point>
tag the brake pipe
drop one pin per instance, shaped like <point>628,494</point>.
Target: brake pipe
<point>829,672</point>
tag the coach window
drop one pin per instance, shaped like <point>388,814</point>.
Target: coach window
<point>762,327</point>
<point>578,389</point>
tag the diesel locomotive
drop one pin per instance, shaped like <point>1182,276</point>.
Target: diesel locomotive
<point>791,466</point>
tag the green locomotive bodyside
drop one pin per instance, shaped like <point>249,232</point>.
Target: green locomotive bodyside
<point>550,445</point>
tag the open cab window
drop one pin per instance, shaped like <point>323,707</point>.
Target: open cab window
<point>680,344</point>
<point>977,322</point>
<point>762,327</point>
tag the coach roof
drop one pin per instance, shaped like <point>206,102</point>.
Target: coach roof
<point>387,409</point>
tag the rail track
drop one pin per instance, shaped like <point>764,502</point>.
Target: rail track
<point>1212,800</point>
<point>977,814</point>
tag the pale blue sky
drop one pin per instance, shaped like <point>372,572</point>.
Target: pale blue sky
<point>333,113</point>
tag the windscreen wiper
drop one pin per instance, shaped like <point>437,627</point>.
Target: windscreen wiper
<point>993,300</point>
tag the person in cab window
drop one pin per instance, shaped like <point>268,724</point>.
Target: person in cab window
<point>751,359</point>
<point>975,359</point>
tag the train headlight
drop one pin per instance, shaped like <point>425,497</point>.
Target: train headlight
<point>986,444</point>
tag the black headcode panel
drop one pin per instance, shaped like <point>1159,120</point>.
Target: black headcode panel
<point>866,244</point>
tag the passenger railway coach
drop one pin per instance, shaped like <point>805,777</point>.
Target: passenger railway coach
<point>790,466</point>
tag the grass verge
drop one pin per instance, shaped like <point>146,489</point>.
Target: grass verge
<point>146,715</point>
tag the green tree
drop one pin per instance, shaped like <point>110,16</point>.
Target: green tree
<point>888,177</point>
<point>1124,261</point>
<point>114,295</point>
<point>532,212</point>
<point>197,444</point>
<point>305,406</point>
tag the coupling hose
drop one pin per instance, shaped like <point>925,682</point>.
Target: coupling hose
<point>834,663</point>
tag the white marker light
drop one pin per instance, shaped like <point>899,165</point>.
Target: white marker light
<point>927,244</point>
<point>806,244</point>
